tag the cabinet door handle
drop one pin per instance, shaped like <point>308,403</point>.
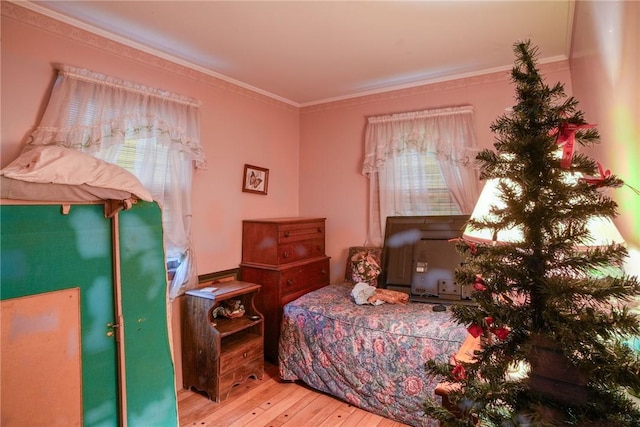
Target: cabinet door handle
<point>285,254</point>
<point>319,230</point>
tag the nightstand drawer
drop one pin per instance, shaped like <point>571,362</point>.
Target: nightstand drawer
<point>305,276</point>
<point>242,370</point>
<point>251,348</point>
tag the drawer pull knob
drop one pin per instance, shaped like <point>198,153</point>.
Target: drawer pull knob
<point>285,254</point>
<point>319,230</point>
<point>244,354</point>
<point>289,282</point>
<point>287,234</point>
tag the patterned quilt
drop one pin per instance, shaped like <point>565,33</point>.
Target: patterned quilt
<point>370,356</point>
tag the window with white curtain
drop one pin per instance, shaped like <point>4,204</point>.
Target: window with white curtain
<point>419,184</point>
<point>150,132</point>
<point>420,163</point>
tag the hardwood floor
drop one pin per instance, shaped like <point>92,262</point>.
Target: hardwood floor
<point>271,403</point>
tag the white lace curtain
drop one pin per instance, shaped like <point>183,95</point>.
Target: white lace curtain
<point>446,133</point>
<point>153,133</point>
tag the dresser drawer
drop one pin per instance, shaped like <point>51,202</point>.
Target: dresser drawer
<point>298,231</point>
<point>297,251</point>
<point>307,276</point>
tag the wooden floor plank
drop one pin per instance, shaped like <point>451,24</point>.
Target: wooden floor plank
<point>327,405</point>
<point>370,420</point>
<point>315,403</point>
<point>230,411</point>
<point>274,407</point>
<point>292,410</point>
<point>338,416</point>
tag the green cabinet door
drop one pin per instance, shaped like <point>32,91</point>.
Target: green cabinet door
<point>43,250</point>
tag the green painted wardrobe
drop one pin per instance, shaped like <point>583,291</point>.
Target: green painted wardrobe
<point>107,275</point>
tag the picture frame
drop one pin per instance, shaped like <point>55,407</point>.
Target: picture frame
<point>255,179</point>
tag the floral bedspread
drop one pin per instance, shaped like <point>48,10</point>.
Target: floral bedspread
<point>370,356</point>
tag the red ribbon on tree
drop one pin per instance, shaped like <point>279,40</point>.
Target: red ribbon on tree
<point>501,333</point>
<point>476,330</point>
<point>567,136</point>
<point>458,371</point>
<point>598,181</point>
<point>478,283</point>
<point>472,246</point>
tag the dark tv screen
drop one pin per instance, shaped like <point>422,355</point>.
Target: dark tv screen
<point>417,253</point>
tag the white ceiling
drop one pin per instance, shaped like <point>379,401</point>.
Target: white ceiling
<point>308,52</point>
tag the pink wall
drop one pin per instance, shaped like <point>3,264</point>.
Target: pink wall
<point>605,70</point>
<point>332,146</point>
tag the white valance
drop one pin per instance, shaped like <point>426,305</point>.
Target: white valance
<point>447,132</point>
<point>90,111</point>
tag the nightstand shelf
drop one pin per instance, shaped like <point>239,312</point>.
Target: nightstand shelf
<point>232,326</point>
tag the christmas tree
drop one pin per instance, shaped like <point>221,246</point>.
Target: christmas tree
<point>550,289</point>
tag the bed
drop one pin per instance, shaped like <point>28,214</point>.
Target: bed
<point>370,356</point>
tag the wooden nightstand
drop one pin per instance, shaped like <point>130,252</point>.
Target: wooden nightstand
<point>219,353</point>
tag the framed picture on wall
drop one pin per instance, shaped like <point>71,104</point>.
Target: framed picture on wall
<point>255,180</point>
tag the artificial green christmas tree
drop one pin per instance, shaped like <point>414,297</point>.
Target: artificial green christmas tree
<point>547,301</point>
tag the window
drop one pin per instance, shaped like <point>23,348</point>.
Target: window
<point>150,132</point>
<point>420,163</point>
<point>135,155</point>
<point>420,186</point>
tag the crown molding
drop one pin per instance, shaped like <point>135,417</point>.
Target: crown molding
<point>497,75</point>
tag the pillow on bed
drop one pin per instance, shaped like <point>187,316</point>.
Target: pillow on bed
<point>363,265</point>
<point>60,165</point>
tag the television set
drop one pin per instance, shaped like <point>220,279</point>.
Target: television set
<point>419,257</point>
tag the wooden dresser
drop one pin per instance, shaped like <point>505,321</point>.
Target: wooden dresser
<point>287,257</point>
<point>219,353</point>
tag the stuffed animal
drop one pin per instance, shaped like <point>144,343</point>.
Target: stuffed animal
<point>388,296</point>
<point>229,308</point>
